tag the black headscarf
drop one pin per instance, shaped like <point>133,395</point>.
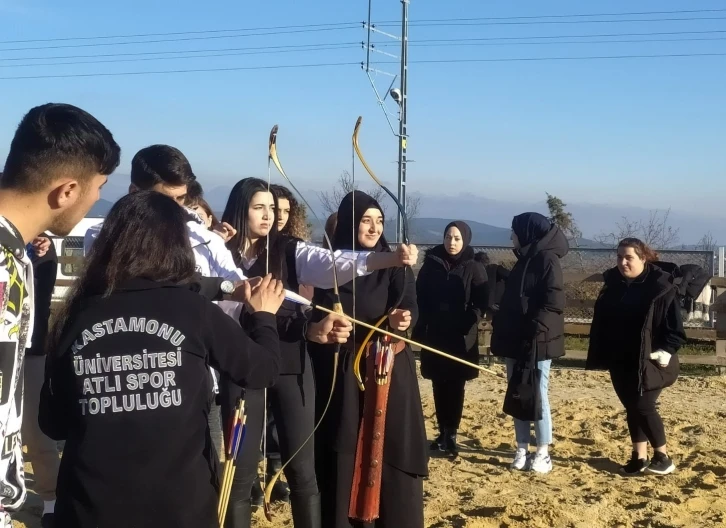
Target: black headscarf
<point>465,231</point>
<point>346,230</point>
<point>530,227</point>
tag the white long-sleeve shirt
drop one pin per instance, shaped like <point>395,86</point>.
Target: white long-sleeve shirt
<point>314,264</point>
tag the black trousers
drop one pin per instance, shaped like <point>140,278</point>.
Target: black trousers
<point>644,422</point>
<point>292,401</point>
<point>449,403</point>
<point>401,495</point>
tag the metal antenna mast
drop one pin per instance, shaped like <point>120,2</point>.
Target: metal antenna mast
<point>399,95</point>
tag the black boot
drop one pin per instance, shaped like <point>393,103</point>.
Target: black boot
<point>280,491</point>
<point>257,495</point>
<point>306,511</point>
<point>439,442</point>
<point>452,448</point>
<point>239,514</point>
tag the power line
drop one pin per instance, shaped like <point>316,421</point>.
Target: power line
<point>176,33</point>
<point>200,70</point>
<point>180,57</point>
<point>561,42</point>
<point>338,64</point>
<point>593,57</point>
<point>143,53</point>
<point>235,52</point>
<point>583,15</point>
<point>332,25</point>
<point>542,22</point>
<point>601,35</point>
<point>181,39</point>
<point>417,42</point>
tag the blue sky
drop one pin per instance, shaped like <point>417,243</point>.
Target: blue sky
<point>648,132</point>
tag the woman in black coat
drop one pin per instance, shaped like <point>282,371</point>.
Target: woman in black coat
<point>404,461</point>
<point>530,322</point>
<point>451,289</point>
<point>636,331</point>
<point>127,375</point>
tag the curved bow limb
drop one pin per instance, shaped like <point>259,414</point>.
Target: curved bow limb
<point>404,224</point>
<point>337,308</point>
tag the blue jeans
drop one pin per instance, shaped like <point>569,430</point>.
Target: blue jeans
<point>543,427</point>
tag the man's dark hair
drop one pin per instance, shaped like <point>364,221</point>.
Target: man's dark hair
<point>53,140</point>
<point>160,164</point>
<point>195,193</point>
<point>144,236</point>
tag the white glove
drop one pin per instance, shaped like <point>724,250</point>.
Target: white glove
<point>661,357</point>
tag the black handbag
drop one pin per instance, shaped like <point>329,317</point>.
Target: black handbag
<point>523,399</point>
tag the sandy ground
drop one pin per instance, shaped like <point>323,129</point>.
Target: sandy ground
<point>584,490</point>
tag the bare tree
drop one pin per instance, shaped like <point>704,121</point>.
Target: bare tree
<point>707,243</point>
<point>655,231</point>
<point>331,200</point>
<point>413,207</point>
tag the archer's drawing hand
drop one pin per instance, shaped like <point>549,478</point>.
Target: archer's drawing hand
<point>400,319</point>
<point>333,329</point>
<point>239,294</point>
<point>41,245</point>
<point>267,296</point>
<point>224,230</point>
<point>407,254</point>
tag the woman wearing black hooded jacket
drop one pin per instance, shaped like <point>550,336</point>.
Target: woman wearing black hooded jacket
<point>530,320</point>
<point>635,334</point>
<point>451,289</point>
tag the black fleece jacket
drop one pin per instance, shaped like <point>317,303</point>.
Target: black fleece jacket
<point>128,389</point>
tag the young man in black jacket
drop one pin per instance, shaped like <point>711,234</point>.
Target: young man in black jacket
<point>42,451</point>
<point>59,158</point>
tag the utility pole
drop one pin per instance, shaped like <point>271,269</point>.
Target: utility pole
<point>402,135</point>
<point>399,95</point>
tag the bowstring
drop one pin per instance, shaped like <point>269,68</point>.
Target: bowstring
<point>267,271</point>
<point>354,238</point>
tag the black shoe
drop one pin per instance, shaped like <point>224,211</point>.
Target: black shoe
<point>47,521</point>
<point>280,491</point>
<point>661,464</point>
<point>438,444</point>
<point>636,466</point>
<point>239,514</point>
<point>450,445</point>
<point>257,497</point>
<point>306,511</point>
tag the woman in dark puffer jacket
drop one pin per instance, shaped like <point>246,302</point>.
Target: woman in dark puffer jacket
<point>636,331</point>
<point>530,320</point>
<point>451,290</point>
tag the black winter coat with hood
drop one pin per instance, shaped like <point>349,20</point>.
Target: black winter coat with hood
<point>452,299</point>
<point>632,319</point>
<point>533,303</point>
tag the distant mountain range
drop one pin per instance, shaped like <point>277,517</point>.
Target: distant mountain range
<point>492,216</point>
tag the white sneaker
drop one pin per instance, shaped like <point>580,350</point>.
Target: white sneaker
<point>520,460</point>
<point>541,463</point>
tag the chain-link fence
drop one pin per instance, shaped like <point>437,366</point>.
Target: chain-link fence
<point>589,261</point>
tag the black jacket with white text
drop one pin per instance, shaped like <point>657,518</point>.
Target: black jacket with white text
<point>128,389</point>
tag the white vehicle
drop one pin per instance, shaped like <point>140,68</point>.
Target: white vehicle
<point>70,246</point>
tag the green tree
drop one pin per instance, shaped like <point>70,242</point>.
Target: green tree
<point>562,218</point>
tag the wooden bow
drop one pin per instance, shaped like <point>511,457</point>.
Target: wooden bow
<point>404,225</point>
<point>337,308</point>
